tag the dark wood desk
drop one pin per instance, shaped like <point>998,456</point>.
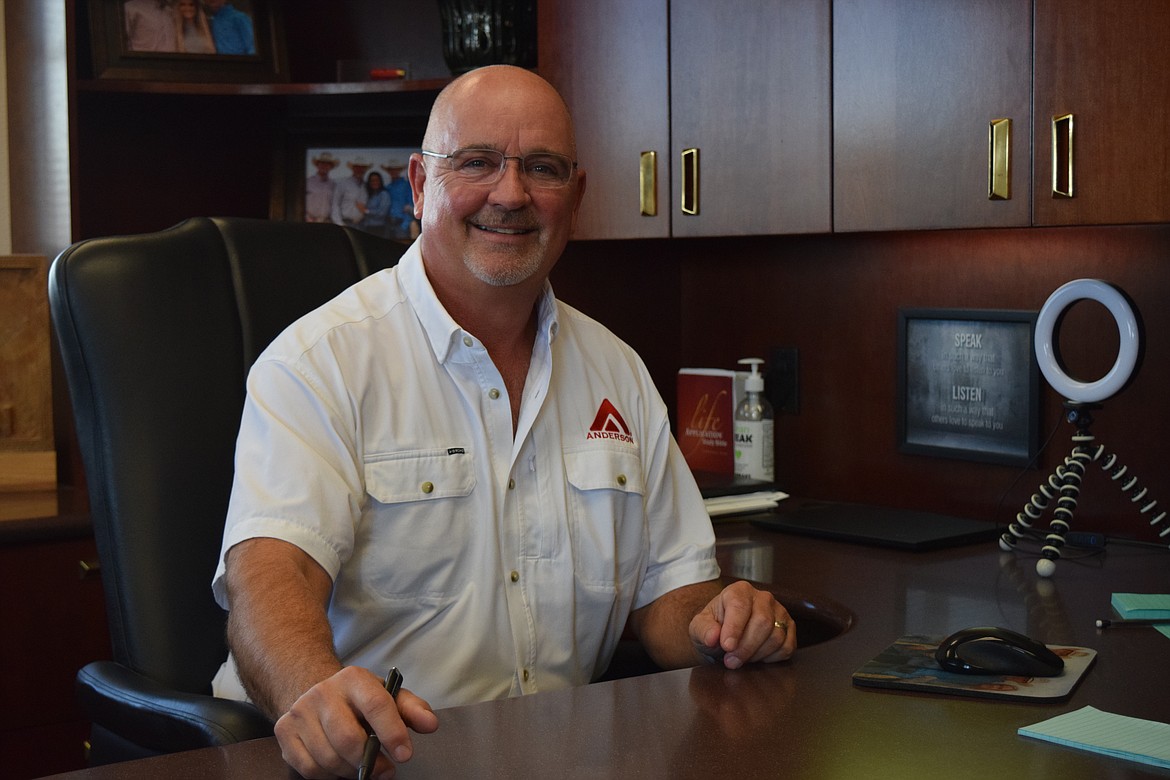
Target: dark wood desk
<point>805,719</point>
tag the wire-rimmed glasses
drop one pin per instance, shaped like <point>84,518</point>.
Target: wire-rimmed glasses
<point>547,170</point>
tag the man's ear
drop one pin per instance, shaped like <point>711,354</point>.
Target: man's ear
<point>417,174</point>
<point>577,205</point>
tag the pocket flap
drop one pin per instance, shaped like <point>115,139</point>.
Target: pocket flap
<point>420,475</point>
<point>604,469</point>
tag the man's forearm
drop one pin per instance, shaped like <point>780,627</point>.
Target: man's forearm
<point>663,626</point>
<point>278,629</point>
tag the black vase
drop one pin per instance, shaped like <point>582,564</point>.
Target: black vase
<point>488,32</point>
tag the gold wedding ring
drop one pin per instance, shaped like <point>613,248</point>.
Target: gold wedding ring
<point>782,625</point>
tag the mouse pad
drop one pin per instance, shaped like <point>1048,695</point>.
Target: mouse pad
<point>909,665</point>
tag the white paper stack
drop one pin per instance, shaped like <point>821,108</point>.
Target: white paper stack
<point>745,503</point>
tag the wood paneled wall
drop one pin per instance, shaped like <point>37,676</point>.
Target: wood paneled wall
<point>836,297</point>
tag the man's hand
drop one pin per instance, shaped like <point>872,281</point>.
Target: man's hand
<point>324,732</point>
<point>743,625</point>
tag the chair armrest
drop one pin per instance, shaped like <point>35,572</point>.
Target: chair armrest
<point>160,719</point>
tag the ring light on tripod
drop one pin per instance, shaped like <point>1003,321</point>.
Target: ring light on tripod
<point>1064,485</point>
<point>1127,328</point>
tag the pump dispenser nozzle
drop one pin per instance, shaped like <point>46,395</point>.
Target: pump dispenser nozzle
<point>755,381</point>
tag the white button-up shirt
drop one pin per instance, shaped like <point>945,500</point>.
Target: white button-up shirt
<point>377,437</point>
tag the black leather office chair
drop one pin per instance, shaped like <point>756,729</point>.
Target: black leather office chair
<point>157,333</point>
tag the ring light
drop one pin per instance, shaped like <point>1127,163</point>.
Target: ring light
<point>1127,328</point>
<point>1063,486</point>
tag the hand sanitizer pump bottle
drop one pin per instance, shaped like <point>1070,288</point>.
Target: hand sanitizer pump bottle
<point>753,428</point>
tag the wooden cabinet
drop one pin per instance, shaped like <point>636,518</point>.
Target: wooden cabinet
<point>807,115</point>
<point>609,60</point>
<point>1106,65</point>
<point>916,85</point>
<point>748,90</point>
<point>54,623</point>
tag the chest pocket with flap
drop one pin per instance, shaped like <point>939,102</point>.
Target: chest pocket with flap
<point>415,529</point>
<point>420,475</point>
<point>606,516</point>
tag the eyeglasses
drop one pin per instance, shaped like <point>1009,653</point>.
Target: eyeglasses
<point>546,170</point>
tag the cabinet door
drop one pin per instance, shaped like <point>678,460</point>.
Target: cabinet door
<point>750,86</point>
<point>54,622</point>
<point>916,85</point>
<point>1106,65</point>
<point>609,60</point>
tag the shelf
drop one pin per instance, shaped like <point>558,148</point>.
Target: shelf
<point>199,88</point>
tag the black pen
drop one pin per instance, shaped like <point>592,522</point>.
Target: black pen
<point>370,755</point>
<point>1104,623</point>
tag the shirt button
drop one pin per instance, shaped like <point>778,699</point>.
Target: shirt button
<point>621,479</point>
<point>493,394</point>
<point>467,342</point>
<point>428,487</point>
<point>511,484</point>
<point>525,675</point>
<point>515,576</point>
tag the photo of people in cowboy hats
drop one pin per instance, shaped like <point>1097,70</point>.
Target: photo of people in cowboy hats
<point>364,188</point>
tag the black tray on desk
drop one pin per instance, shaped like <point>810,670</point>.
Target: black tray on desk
<point>903,529</point>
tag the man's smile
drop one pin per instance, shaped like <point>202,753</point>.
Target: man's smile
<point>503,230</point>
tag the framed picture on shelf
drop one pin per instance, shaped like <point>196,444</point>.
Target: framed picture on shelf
<point>355,177</point>
<point>209,41</point>
<point>968,384</point>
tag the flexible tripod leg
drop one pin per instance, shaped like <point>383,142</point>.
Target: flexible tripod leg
<point>1130,484</point>
<point>1032,511</point>
<point>1070,490</point>
<point>1064,485</point>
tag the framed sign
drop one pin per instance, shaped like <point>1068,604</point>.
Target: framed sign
<point>187,40</point>
<point>968,384</point>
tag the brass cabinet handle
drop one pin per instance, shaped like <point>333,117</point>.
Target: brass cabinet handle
<point>648,184</point>
<point>999,160</point>
<point>1062,156</point>
<point>87,569</point>
<point>690,181</point>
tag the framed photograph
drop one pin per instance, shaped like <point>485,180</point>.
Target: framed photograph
<point>238,41</point>
<point>968,384</point>
<point>353,180</point>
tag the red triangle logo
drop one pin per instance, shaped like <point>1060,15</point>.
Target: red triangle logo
<point>609,424</point>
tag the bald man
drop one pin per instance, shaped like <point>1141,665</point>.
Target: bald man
<point>447,470</point>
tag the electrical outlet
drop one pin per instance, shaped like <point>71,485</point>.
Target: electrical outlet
<point>782,380</point>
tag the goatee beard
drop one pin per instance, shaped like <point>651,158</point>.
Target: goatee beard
<point>521,267</point>
<point>505,267</point>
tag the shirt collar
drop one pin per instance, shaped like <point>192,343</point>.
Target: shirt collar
<point>442,331</point>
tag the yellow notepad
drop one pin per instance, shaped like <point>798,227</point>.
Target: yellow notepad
<point>1120,736</point>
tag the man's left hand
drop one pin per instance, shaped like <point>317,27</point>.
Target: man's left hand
<point>743,625</point>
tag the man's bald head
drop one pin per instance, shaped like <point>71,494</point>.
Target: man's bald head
<point>494,87</point>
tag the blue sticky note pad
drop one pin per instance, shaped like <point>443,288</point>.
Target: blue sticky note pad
<point>1088,728</point>
<point>1144,606</point>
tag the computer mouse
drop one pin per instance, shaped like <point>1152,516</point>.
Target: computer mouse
<point>990,650</point>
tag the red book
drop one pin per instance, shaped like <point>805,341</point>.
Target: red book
<point>706,412</point>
